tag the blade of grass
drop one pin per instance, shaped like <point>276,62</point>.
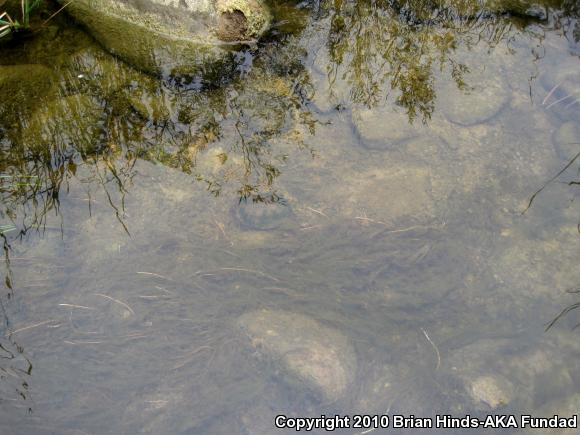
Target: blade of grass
<point>57,12</point>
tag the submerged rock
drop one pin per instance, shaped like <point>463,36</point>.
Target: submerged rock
<point>384,128</point>
<point>261,215</point>
<point>309,352</point>
<point>567,140</point>
<point>485,95</point>
<point>491,390</point>
<point>169,36</point>
<point>507,372</point>
<point>404,190</point>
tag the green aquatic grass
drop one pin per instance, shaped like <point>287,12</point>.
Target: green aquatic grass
<point>8,25</point>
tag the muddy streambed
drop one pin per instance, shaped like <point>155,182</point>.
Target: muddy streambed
<point>344,223</point>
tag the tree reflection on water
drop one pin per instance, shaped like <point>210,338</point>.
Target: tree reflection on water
<point>394,49</point>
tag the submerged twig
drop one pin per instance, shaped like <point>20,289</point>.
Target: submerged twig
<point>550,93</point>
<point>434,347</point>
<point>238,269</point>
<point>311,227</point>
<point>559,101</point>
<point>414,227</point>
<point>313,210</point>
<point>366,219</point>
<point>76,306</point>
<point>570,163</point>
<point>117,301</point>
<point>56,13</point>
<point>25,328</point>
<point>82,342</point>
<point>154,274</point>
<point>572,103</point>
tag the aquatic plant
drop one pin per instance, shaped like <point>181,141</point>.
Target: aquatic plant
<point>8,25</point>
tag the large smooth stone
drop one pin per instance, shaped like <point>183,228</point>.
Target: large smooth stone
<point>384,128</point>
<point>169,37</point>
<point>314,354</point>
<point>261,215</point>
<point>485,95</point>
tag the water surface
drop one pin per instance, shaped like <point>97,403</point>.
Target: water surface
<point>362,167</point>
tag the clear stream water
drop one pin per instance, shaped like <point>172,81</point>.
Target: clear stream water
<point>360,167</point>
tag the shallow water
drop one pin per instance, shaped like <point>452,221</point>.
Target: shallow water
<point>384,189</point>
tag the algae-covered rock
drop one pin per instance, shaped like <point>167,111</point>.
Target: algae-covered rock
<point>318,356</point>
<point>165,36</point>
